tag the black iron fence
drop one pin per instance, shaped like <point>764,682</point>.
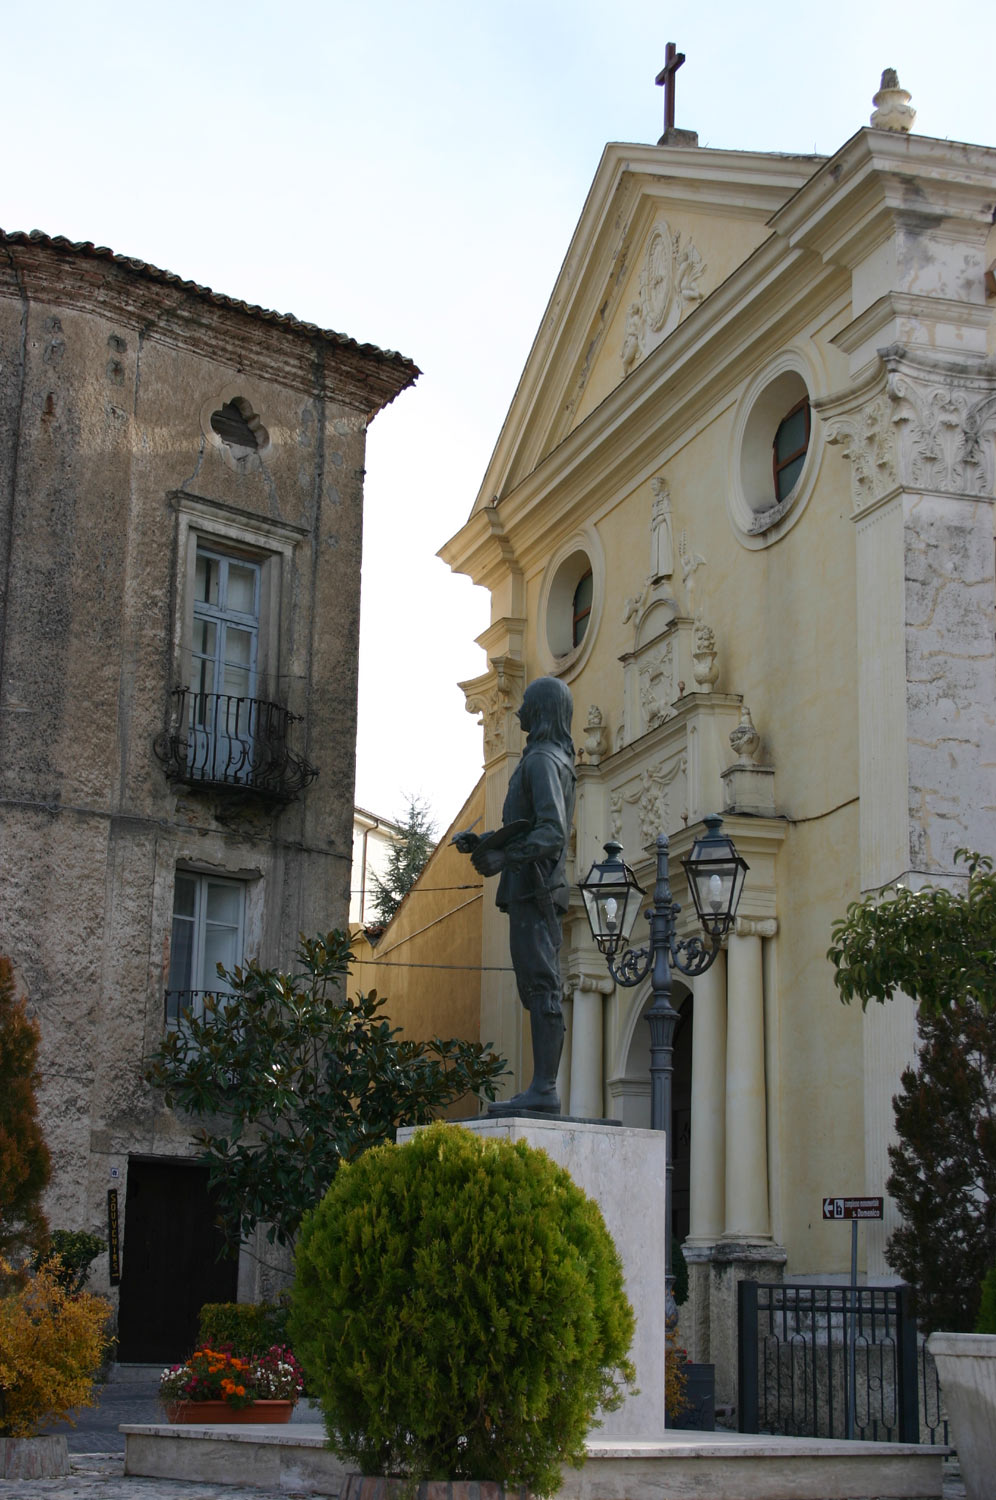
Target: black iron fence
<point>798,1346</point>
<point>219,740</point>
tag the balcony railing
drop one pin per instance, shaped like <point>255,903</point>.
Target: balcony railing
<point>218,740</point>
<point>178,1001</point>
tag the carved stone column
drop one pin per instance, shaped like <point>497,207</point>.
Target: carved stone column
<point>586,1100</point>
<point>919,433</point>
<point>708,1128</point>
<point>747,1212</point>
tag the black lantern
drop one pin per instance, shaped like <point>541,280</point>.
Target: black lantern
<point>716,874</point>
<point>612,898</point>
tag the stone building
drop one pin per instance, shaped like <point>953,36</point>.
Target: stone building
<point>743,504</point>
<point>180,530</point>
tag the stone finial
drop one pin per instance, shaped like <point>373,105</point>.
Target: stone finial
<point>745,739</point>
<point>596,735</point>
<point>892,105</point>
<point>705,668</point>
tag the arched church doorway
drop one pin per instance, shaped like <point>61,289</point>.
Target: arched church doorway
<point>631,1096</point>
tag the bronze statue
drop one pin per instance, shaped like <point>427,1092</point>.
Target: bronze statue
<point>529,852</point>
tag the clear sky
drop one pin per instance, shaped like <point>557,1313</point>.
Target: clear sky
<point>409,172</point>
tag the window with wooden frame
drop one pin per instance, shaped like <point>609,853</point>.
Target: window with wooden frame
<point>788,451</point>
<point>208,930</point>
<point>581,607</point>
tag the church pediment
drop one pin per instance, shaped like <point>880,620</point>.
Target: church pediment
<point>662,228</point>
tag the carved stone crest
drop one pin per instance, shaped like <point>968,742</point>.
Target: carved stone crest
<point>669,285</point>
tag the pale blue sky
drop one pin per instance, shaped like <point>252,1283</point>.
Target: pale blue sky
<point>410,174</point>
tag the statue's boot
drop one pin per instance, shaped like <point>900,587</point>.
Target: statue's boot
<point>548,1041</point>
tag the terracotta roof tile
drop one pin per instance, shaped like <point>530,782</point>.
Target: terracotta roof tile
<point>169,278</point>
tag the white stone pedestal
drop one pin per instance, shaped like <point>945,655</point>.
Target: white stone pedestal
<point>623,1169</point>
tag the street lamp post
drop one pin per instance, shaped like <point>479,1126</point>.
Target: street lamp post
<point>611,892</point>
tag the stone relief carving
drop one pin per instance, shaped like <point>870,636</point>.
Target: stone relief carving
<point>690,563</point>
<point>657,685</point>
<point>941,431</point>
<point>495,697</point>
<point>661,548</point>
<point>650,794</point>
<point>669,285</point>
<point>868,441</point>
<point>932,428</point>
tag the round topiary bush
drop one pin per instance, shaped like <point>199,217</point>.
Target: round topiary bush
<point>458,1305</point>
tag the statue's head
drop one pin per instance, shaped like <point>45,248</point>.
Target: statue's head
<point>546,711</point>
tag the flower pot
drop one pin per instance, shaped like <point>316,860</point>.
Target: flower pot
<point>33,1458</point>
<point>699,1411</point>
<point>221,1411</point>
<point>966,1368</point>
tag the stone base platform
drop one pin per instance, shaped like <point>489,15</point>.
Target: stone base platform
<point>678,1466</point>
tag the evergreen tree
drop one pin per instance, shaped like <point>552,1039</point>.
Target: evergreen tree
<point>25,1166</point>
<point>408,858</point>
<point>939,947</point>
<point>944,1167</point>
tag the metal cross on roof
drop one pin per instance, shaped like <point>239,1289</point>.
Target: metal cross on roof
<point>673,60</point>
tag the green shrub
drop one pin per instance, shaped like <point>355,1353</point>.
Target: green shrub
<point>459,1307</point>
<point>987,1304</point>
<point>248,1327</point>
<point>73,1251</point>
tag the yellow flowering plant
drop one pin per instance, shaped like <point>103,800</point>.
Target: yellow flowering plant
<point>219,1375</point>
<point>51,1345</point>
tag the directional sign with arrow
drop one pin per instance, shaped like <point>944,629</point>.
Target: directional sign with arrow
<point>852,1208</point>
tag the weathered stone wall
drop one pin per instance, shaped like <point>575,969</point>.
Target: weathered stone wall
<point>109,472</point>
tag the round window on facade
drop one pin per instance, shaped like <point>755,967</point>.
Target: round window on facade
<point>774,464</point>
<point>570,605</point>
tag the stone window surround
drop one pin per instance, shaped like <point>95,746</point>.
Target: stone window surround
<point>239,534</point>
<point>764,401</point>
<point>573,558</point>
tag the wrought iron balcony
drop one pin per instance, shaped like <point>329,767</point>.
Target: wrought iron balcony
<point>218,740</point>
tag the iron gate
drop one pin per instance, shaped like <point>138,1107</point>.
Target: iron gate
<point>793,1363</point>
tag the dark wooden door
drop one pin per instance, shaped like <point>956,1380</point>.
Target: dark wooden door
<point>171,1264</point>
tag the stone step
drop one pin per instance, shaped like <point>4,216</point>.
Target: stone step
<point>680,1465</point>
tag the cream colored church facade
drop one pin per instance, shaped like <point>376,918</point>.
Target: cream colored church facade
<point>743,504</point>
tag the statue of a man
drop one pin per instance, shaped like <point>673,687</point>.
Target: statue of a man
<point>529,852</point>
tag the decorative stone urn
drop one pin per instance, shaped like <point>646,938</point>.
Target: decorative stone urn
<point>966,1368</point>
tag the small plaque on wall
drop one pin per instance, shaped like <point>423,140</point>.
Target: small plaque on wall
<point>113,1237</point>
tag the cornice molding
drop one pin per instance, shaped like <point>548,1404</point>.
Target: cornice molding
<point>182,315</point>
<point>880,179</point>
<point>753,183</point>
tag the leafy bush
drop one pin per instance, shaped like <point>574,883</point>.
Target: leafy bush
<point>987,1303</point>
<point>250,1327</point>
<point>675,1377</point>
<point>51,1345</point>
<point>300,1077</point>
<point>25,1166</point>
<point>71,1252</point>
<point>459,1307</point>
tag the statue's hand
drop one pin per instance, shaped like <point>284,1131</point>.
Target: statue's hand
<point>488,861</point>
<point>466,841</point>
